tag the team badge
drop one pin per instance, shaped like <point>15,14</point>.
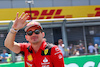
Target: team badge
<point>45,51</point>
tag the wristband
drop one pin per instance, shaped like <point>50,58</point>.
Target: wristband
<point>11,32</point>
<point>14,30</point>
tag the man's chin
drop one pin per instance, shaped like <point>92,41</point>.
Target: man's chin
<point>35,42</point>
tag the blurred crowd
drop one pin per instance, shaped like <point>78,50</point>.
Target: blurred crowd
<point>81,50</point>
<point>7,58</point>
<point>76,50</point>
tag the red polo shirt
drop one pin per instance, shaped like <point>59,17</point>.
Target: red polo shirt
<point>55,59</point>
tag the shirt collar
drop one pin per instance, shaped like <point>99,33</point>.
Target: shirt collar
<point>43,45</point>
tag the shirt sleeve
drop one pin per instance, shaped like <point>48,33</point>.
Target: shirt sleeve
<point>57,57</point>
<point>23,46</point>
<point>7,55</point>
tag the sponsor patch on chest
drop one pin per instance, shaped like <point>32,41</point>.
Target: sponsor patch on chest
<point>45,62</point>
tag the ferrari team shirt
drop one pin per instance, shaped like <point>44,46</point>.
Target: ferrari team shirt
<point>32,59</point>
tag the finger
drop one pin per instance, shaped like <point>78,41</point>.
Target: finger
<point>17,15</point>
<point>22,15</point>
<point>25,16</point>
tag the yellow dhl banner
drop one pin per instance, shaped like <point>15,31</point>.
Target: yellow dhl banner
<point>52,12</point>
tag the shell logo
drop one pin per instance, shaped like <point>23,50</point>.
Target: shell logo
<point>29,57</point>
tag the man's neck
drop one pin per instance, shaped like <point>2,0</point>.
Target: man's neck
<point>36,46</point>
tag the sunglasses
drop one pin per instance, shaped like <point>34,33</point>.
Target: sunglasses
<point>35,31</point>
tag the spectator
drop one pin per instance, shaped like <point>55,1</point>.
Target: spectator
<point>81,49</point>
<point>61,46</point>
<point>70,46</point>
<point>76,50</point>
<point>19,57</point>
<point>91,48</point>
<point>4,56</point>
<point>71,49</point>
<point>96,48</point>
<point>9,59</point>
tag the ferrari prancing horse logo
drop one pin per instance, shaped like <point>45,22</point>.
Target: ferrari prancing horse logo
<point>45,51</point>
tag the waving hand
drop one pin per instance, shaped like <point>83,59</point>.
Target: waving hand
<point>20,21</point>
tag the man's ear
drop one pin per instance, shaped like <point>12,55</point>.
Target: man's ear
<point>43,34</point>
<point>26,37</point>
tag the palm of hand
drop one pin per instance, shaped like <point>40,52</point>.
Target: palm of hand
<point>20,22</point>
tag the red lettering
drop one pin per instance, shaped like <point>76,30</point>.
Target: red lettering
<point>41,17</point>
<point>35,13</point>
<point>58,12</point>
<point>98,12</point>
<point>97,9</point>
<point>44,12</point>
<point>49,17</point>
<point>47,14</point>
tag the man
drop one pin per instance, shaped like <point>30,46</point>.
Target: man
<point>91,48</point>
<point>4,56</point>
<point>61,46</point>
<point>37,52</point>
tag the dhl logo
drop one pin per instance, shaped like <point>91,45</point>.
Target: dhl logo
<point>47,14</point>
<point>97,13</point>
<point>55,13</point>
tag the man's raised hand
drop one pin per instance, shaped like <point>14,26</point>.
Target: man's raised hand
<point>20,21</point>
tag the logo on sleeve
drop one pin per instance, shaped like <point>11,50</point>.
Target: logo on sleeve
<point>60,56</point>
<point>57,51</point>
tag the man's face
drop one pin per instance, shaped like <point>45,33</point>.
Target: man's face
<point>34,38</point>
<point>60,42</point>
